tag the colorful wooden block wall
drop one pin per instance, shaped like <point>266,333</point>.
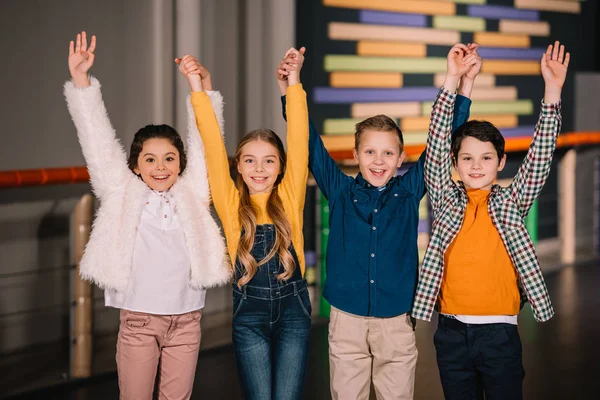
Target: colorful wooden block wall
<point>388,57</point>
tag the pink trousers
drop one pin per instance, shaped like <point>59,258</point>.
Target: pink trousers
<point>149,342</point>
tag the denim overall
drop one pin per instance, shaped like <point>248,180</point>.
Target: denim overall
<point>271,326</point>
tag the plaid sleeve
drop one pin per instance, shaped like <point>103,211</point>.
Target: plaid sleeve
<point>438,161</point>
<point>534,170</point>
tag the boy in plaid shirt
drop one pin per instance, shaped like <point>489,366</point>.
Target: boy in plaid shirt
<point>480,251</point>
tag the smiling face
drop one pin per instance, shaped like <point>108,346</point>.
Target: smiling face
<point>158,164</point>
<point>259,165</point>
<point>477,163</point>
<point>378,156</point>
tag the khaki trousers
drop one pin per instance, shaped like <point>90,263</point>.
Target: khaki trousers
<point>144,340</point>
<point>361,348</point>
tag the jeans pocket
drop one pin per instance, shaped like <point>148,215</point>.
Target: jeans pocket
<point>512,332</point>
<point>136,319</point>
<point>238,301</point>
<point>304,301</point>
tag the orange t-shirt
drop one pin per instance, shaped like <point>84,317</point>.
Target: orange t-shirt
<point>479,277</point>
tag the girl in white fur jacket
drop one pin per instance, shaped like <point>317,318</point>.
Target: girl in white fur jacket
<point>155,247</point>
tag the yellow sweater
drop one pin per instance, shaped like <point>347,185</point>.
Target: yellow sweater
<point>479,277</point>
<point>292,189</point>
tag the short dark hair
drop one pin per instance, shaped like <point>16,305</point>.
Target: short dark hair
<point>378,123</point>
<point>156,132</point>
<point>481,130</point>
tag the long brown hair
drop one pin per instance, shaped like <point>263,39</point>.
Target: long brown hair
<point>275,210</point>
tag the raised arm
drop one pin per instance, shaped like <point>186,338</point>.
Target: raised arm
<point>96,135</point>
<point>534,169</point>
<point>438,161</point>
<point>327,174</point>
<point>224,193</point>
<point>296,173</point>
<point>196,171</point>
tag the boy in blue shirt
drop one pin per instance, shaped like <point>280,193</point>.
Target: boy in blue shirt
<point>372,255</point>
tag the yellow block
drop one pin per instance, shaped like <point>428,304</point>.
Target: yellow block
<point>390,49</point>
<point>494,39</point>
<point>494,93</point>
<point>356,31</point>
<point>499,121</point>
<point>393,110</point>
<point>338,142</point>
<point>404,6</point>
<point>483,80</point>
<point>366,79</point>
<point>550,5</point>
<point>419,124</point>
<point>533,28</point>
<point>512,67</point>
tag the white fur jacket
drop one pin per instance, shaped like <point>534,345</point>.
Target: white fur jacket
<point>107,260</point>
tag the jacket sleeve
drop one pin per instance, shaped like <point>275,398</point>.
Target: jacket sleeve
<point>534,169</point>
<point>327,174</point>
<point>105,157</point>
<point>196,171</point>
<point>438,161</point>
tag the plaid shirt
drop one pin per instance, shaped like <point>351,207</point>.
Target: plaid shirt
<point>507,207</point>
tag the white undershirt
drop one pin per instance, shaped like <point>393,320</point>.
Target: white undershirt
<point>160,275</point>
<point>485,319</point>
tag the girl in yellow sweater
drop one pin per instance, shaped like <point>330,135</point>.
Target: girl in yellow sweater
<point>262,221</point>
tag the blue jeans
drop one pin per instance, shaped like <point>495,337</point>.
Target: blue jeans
<point>271,327</point>
<point>473,359</point>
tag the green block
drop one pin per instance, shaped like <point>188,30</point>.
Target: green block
<point>324,306</point>
<point>531,222</point>
<point>385,64</point>
<point>459,23</point>
<point>519,107</point>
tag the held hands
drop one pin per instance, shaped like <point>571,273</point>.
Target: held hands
<point>554,70</point>
<point>288,71</point>
<point>462,62</point>
<point>197,75</point>
<point>473,60</point>
<point>81,59</point>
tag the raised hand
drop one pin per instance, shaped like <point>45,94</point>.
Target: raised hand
<point>81,59</point>
<point>473,60</point>
<point>554,65</point>
<point>197,75</point>
<point>455,66</point>
<point>456,55</point>
<point>298,55</point>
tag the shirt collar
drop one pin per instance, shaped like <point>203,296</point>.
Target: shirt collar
<point>362,182</point>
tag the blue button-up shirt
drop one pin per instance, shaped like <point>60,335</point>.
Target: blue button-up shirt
<point>372,254</point>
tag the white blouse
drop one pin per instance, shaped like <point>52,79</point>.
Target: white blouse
<point>160,275</point>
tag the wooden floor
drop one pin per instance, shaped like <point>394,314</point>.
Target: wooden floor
<point>561,357</point>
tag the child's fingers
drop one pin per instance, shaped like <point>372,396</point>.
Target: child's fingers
<point>92,44</point>
<point>555,51</point>
<point>549,51</point>
<point>78,43</point>
<point>567,59</point>
<point>302,50</point>
<point>544,60</point>
<point>177,60</point>
<point>561,54</point>
<point>287,53</point>
<point>71,47</point>
<point>83,41</point>
<point>190,62</point>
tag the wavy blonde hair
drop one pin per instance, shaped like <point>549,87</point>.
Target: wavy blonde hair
<point>275,210</point>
